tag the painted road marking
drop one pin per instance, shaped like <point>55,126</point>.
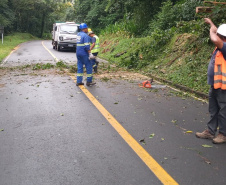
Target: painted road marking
<point>55,58</point>
<point>152,164</point>
<point>5,60</point>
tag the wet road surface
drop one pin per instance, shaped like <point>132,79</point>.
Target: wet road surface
<point>52,134</point>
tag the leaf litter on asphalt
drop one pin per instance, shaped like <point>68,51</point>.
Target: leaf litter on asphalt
<point>189,131</point>
<point>151,135</point>
<point>174,121</point>
<point>207,146</point>
<point>142,141</point>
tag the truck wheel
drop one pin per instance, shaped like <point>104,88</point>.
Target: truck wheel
<point>58,47</point>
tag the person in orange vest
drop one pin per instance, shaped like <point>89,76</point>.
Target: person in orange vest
<point>217,81</point>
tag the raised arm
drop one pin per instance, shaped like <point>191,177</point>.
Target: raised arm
<point>213,34</point>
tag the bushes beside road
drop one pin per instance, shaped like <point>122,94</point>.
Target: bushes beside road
<point>180,54</point>
<point>175,45</point>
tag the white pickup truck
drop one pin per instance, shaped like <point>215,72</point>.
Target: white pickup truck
<point>64,35</point>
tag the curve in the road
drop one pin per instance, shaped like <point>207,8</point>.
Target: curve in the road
<point>7,58</point>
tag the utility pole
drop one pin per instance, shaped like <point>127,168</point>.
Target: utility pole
<point>2,32</point>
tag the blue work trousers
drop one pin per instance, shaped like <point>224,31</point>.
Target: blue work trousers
<point>84,60</point>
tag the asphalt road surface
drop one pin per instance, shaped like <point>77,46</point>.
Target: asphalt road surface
<point>51,133</point>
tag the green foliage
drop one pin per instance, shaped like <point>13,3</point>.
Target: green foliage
<point>126,28</point>
<point>61,64</point>
<point>6,14</point>
<point>73,69</point>
<point>170,14</point>
<point>42,66</point>
<point>218,15</point>
<point>34,16</point>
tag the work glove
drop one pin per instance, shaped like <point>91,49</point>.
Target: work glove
<point>91,56</point>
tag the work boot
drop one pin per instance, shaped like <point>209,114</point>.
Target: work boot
<point>90,83</point>
<point>204,135</point>
<point>220,138</point>
<point>77,84</point>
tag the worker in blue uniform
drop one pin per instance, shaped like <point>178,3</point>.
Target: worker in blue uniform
<point>84,55</point>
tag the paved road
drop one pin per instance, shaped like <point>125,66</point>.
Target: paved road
<point>54,135</point>
<point>34,52</point>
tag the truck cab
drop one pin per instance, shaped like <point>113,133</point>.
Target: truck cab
<point>64,35</point>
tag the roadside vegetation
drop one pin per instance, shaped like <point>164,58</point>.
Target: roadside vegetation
<point>175,47</point>
<point>161,38</point>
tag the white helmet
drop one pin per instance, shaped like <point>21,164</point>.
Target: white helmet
<point>222,30</point>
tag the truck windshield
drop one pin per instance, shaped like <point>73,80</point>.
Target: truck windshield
<point>71,29</point>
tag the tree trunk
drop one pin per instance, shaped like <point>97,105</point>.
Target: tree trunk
<point>43,24</point>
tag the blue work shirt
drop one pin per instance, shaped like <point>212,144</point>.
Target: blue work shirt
<point>210,72</point>
<point>83,44</point>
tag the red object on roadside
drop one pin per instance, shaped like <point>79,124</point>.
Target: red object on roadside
<point>146,83</point>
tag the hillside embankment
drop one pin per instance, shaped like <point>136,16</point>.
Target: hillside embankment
<point>182,60</point>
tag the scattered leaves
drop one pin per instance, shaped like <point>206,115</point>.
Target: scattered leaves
<point>116,103</point>
<point>174,121</point>
<point>142,141</point>
<point>207,146</point>
<point>1,130</point>
<point>207,161</point>
<point>189,131</point>
<point>62,114</point>
<point>151,135</point>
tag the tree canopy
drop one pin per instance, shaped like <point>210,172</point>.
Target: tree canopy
<point>137,16</point>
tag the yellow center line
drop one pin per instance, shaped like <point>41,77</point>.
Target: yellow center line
<point>55,58</point>
<point>152,164</point>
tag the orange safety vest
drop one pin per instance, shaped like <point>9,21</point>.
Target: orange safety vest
<point>220,71</point>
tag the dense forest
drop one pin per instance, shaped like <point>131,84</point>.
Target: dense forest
<point>139,17</point>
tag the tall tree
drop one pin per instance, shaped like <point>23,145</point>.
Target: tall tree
<point>6,14</point>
